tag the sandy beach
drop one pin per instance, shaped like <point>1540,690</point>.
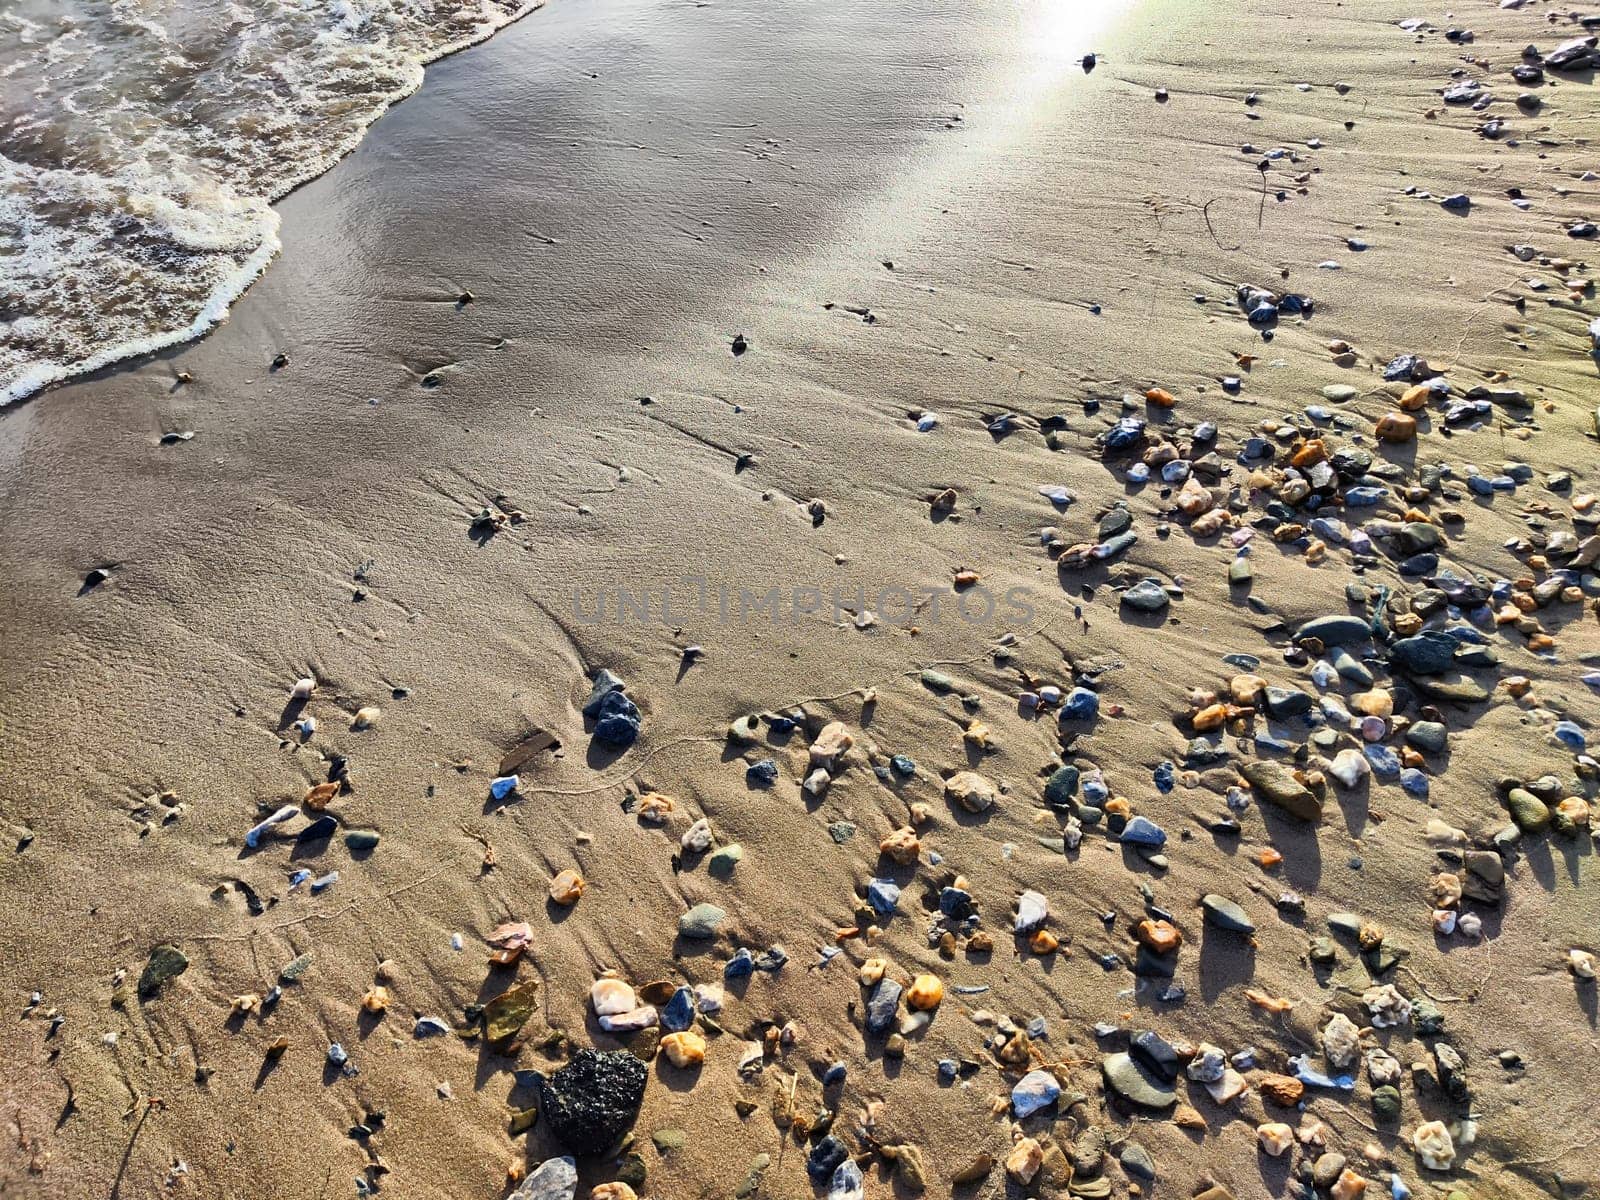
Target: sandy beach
<point>607,350</point>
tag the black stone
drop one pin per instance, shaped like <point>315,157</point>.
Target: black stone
<point>1154,1053</point>
<point>593,1100</point>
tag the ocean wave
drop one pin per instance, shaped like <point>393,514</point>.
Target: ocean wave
<point>143,143</point>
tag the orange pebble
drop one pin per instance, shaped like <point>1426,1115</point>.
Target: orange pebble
<point>1310,453</point>
<point>1160,397</point>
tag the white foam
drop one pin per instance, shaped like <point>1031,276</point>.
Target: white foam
<point>137,174</point>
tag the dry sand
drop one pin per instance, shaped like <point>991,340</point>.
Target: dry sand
<point>624,186</point>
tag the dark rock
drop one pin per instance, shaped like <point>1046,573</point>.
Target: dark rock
<point>593,1100</point>
<point>1430,737</point>
<point>1286,702</point>
<point>166,962</point>
<point>1061,787</point>
<point>1225,914</point>
<point>882,1006</point>
<point>1155,1054</point>
<point>1334,631</point>
<point>617,720</point>
<point>1428,653</point>
<point>604,684</point>
<point>825,1158</point>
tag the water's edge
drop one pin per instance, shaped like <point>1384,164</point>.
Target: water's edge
<point>215,310</point>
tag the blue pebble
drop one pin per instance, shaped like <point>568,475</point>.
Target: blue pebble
<point>1309,1075</point>
<point>1036,1090</point>
<point>1415,782</point>
<point>834,1075</point>
<point>1080,705</point>
<point>1142,831</point>
<point>772,960</point>
<point>948,1068</point>
<point>1571,736</point>
<point>1364,497</point>
<point>847,1183</point>
<point>762,774</point>
<point>903,765</point>
<point>337,1055</point>
<point>617,720</point>
<point>825,1157</point>
<point>1419,564</point>
<point>741,966</point>
<point>955,902</point>
<point>1165,776</point>
<point>678,1014</point>
<point>1385,762</point>
<point>1039,1028</point>
<point>883,895</point>
<point>429,1027</point>
<point>1124,433</point>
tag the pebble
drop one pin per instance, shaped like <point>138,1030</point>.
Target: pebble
<point>1036,1090</point>
<point>1127,1080</point>
<point>1225,914</point>
<point>592,1101</point>
<point>553,1179</point>
<point>701,922</point>
<point>1146,596</point>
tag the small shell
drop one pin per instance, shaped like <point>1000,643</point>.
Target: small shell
<point>367,717</point>
<point>303,688</point>
<point>376,999</point>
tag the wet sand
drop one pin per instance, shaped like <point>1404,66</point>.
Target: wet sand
<point>623,188</point>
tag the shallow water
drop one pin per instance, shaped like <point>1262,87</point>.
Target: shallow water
<point>142,143</point>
